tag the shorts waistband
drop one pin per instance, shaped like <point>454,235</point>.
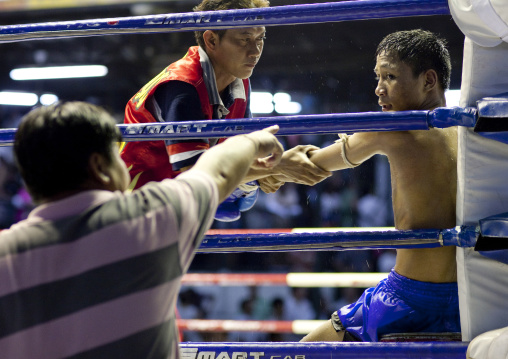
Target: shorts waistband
<point>427,294</point>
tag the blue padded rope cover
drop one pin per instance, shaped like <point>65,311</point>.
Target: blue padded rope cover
<point>225,19</point>
<point>492,114</point>
<point>295,350</point>
<point>493,237</point>
<point>493,117</point>
<point>339,240</point>
<point>292,125</point>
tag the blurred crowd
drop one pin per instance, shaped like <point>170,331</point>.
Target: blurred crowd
<point>15,203</point>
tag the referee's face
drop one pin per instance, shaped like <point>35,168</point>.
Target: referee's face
<point>236,54</point>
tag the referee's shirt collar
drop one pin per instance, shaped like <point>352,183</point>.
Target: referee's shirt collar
<point>235,89</point>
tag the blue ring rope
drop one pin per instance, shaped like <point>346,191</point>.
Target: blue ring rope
<point>464,236</point>
<point>293,125</point>
<point>271,16</point>
<point>430,350</point>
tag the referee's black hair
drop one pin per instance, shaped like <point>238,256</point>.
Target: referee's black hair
<point>215,5</point>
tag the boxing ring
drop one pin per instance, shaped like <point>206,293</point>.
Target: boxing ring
<point>478,122</point>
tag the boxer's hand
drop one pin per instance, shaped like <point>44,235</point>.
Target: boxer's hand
<point>295,166</point>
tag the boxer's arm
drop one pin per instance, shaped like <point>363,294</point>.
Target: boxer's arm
<point>348,152</point>
<point>294,166</point>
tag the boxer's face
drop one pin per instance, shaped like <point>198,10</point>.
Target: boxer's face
<point>398,89</point>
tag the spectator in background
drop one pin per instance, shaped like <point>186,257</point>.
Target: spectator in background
<point>298,306</point>
<point>189,307</point>
<point>278,314</point>
<point>260,305</point>
<point>246,313</point>
<point>386,260</point>
<point>330,201</point>
<point>372,210</point>
<point>284,205</point>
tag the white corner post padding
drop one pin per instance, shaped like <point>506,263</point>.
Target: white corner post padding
<point>482,191</point>
<point>483,21</point>
<point>489,345</point>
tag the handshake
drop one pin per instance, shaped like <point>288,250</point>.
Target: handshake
<point>294,166</point>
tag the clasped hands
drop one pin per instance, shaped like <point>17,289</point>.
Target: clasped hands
<point>294,166</point>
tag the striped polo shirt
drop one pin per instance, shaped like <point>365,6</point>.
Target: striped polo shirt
<point>96,275</point>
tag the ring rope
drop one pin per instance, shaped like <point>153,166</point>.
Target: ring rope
<point>325,350</point>
<point>339,239</point>
<point>270,16</point>
<point>300,279</point>
<point>293,125</point>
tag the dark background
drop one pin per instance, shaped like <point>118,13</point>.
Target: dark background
<point>327,67</point>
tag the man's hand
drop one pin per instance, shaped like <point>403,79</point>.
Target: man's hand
<point>295,166</point>
<point>270,184</point>
<point>269,151</point>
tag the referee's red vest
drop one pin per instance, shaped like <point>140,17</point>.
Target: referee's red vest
<point>148,160</point>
